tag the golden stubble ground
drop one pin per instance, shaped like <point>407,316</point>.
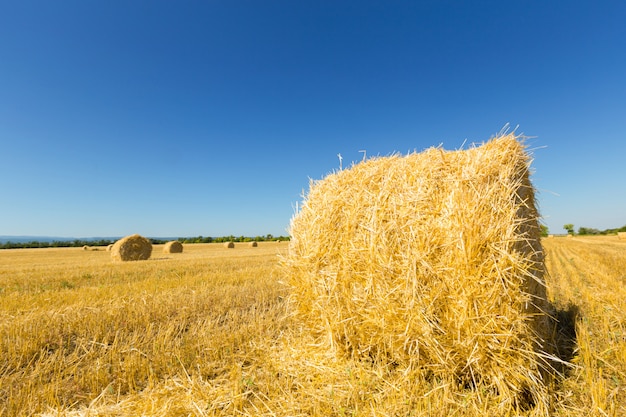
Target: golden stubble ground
<point>208,332</point>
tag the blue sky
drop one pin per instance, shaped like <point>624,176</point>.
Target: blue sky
<point>209,117</point>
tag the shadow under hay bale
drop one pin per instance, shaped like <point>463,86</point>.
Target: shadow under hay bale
<point>173,247</point>
<point>131,248</point>
<point>565,338</point>
<point>430,261</point>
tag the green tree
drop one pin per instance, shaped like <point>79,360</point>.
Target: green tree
<point>569,227</point>
<point>544,230</point>
<point>588,231</point>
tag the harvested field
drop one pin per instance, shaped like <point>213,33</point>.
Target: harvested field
<point>208,333</point>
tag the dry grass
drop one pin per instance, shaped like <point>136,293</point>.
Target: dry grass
<point>621,235</point>
<point>207,333</point>
<point>79,331</point>
<point>587,281</point>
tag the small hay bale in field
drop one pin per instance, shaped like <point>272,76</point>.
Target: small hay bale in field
<point>253,244</point>
<point>550,236</point>
<point>109,247</point>
<point>621,235</point>
<point>229,245</point>
<point>431,261</point>
<point>85,247</point>
<point>173,247</point>
<point>131,248</point>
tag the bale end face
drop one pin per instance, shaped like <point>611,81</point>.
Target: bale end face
<point>131,248</point>
<point>173,247</point>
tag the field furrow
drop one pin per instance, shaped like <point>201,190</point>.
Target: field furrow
<point>588,274</point>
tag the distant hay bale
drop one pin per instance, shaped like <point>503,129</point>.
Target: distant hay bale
<point>173,247</point>
<point>229,245</point>
<point>131,248</point>
<point>621,235</point>
<point>253,244</point>
<point>85,247</point>
<point>569,235</point>
<point>550,236</point>
<point>431,261</point>
<point>109,247</point>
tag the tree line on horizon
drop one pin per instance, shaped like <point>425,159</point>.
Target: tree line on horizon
<point>569,228</point>
<point>78,243</point>
<point>582,231</point>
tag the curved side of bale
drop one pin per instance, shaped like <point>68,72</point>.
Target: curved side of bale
<point>253,244</point>
<point>131,248</point>
<point>431,261</point>
<point>229,245</point>
<point>173,246</point>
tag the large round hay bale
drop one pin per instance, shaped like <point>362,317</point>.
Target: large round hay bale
<point>621,235</point>
<point>131,248</point>
<point>229,245</point>
<point>173,247</point>
<point>428,261</point>
<point>253,244</point>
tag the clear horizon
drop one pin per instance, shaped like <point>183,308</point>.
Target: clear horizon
<point>209,118</point>
<point>70,238</point>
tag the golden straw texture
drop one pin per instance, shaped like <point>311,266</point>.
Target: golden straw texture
<point>430,262</point>
<point>173,246</point>
<point>131,248</point>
